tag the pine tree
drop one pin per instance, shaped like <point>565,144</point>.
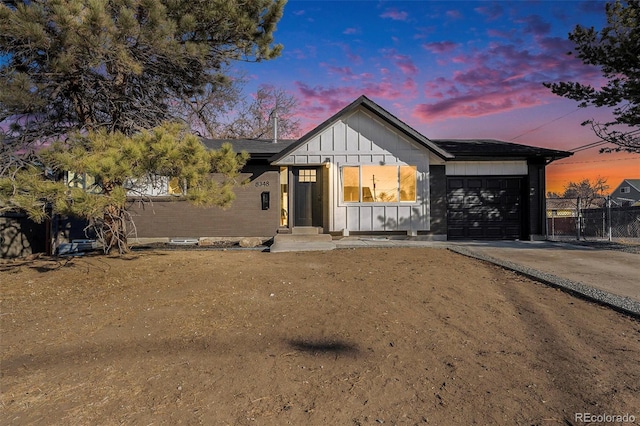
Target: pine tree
<point>616,51</point>
<point>120,65</point>
<point>122,165</point>
<point>88,87</point>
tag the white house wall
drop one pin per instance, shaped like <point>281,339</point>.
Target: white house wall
<point>486,168</point>
<point>362,139</point>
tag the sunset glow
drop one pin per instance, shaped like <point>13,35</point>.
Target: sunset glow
<point>450,69</point>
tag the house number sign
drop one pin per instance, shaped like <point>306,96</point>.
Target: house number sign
<point>262,183</point>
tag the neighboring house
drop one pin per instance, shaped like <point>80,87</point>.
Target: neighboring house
<point>562,207</point>
<point>627,193</point>
<point>365,171</point>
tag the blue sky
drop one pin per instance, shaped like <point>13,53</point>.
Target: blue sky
<point>450,69</point>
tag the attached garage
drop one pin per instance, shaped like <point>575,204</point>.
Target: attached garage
<point>484,207</point>
<point>494,189</point>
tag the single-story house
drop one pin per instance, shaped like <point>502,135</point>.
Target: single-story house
<point>627,193</point>
<point>562,207</point>
<point>364,171</point>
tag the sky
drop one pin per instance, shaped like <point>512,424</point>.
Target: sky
<point>449,69</point>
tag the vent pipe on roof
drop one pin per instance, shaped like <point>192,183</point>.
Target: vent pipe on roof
<point>275,126</point>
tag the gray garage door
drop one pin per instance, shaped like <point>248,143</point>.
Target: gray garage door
<point>482,207</point>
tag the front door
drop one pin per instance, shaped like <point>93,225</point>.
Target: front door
<point>307,196</point>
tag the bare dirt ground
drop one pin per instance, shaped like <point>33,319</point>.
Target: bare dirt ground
<point>366,336</point>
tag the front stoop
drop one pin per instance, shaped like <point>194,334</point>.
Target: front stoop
<point>305,239</point>
<point>306,230</point>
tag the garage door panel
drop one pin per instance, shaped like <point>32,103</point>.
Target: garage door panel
<point>455,183</point>
<point>456,232</point>
<point>472,200</point>
<point>493,232</point>
<point>455,215</point>
<point>474,183</point>
<point>494,184</point>
<point>475,232</point>
<point>494,214</point>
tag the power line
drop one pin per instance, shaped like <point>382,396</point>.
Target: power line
<point>557,163</point>
<point>588,146</point>
<point>544,124</point>
<point>599,143</point>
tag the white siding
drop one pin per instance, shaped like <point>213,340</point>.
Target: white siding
<point>486,168</point>
<point>148,187</point>
<point>361,139</point>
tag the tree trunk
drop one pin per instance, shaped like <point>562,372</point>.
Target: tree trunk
<point>114,230</point>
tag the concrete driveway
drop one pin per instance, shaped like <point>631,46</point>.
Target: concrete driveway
<point>599,272</point>
<point>595,271</point>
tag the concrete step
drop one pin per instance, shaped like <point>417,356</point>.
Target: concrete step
<point>296,242</point>
<point>305,230</point>
<point>302,238</point>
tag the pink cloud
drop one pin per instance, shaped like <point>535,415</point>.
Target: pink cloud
<point>492,32</point>
<point>350,31</point>
<point>492,11</point>
<point>470,105</point>
<point>345,73</point>
<point>534,24</point>
<point>440,47</point>
<point>403,62</point>
<point>454,14</point>
<point>308,52</point>
<point>410,87</point>
<point>318,102</point>
<point>501,78</point>
<point>395,14</point>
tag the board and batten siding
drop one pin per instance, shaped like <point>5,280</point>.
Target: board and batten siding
<point>362,139</point>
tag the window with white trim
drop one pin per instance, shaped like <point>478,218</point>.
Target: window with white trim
<point>625,190</point>
<point>83,181</point>
<point>379,184</point>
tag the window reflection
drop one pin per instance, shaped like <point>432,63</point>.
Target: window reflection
<point>379,184</point>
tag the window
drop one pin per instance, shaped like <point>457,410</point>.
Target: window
<point>351,184</point>
<point>284,196</point>
<point>83,181</point>
<point>174,187</point>
<point>378,184</point>
<point>307,175</point>
<point>625,190</point>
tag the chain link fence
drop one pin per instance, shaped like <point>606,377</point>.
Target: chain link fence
<point>600,220</point>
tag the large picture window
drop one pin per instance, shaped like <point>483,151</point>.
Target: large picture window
<point>378,184</point>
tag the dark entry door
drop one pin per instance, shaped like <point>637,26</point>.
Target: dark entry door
<point>307,203</point>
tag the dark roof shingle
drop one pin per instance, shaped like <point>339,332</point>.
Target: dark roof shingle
<point>257,148</point>
<point>482,148</point>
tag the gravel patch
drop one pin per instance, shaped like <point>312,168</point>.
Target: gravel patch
<point>619,303</point>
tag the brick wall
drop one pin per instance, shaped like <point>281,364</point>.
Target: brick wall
<point>165,218</point>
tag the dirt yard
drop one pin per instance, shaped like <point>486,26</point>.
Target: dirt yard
<point>365,336</point>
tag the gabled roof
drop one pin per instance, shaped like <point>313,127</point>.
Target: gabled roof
<point>256,148</point>
<point>635,183</point>
<point>562,203</point>
<point>447,149</point>
<point>476,148</point>
<point>381,113</point>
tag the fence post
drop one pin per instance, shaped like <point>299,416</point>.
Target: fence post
<point>604,220</point>
<point>578,218</point>
<point>609,221</point>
